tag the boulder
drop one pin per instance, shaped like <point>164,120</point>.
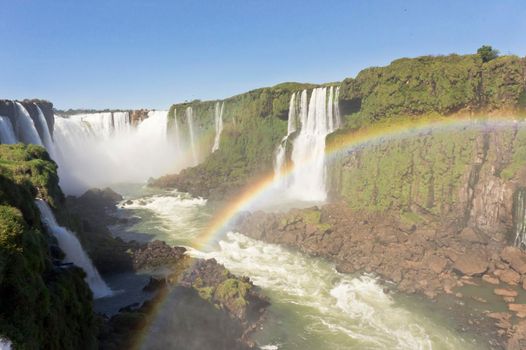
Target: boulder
<point>515,257</point>
<point>435,263</point>
<point>518,308</point>
<point>505,292</point>
<point>490,279</point>
<point>508,276</point>
<point>471,263</point>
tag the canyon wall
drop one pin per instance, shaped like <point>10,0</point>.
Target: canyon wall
<point>39,296</point>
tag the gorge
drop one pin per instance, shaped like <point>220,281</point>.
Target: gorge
<point>382,211</point>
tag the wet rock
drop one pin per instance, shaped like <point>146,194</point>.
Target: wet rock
<point>505,292</point>
<point>157,254</point>
<point>518,308</point>
<point>503,318</point>
<point>491,280</point>
<point>508,276</point>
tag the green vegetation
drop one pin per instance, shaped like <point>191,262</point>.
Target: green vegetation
<point>41,306</point>
<point>233,290</point>
<point>487,53</point>
<point>436,86</point>
<point>432,84</point>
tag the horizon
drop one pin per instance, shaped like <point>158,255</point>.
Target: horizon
<point>133,55</point>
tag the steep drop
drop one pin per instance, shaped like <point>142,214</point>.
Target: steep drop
<point>73,250</point>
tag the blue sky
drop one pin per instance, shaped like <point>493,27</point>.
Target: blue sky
<point>151,53</point>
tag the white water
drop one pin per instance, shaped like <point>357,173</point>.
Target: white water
<point>7,134</point>
<point>96,150</point>
<point>182,227</point>
<point>46,137</point>
<point>279,160</point>
<point>69,243</point>
<point>316,120</point>
<point>312,305</point>
<point>25,127</point>
<point>190,121</point>
<point>5,344</point>
<point>218,119</point>
<point>332,310</point>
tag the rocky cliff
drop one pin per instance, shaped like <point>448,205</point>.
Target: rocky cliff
<point>255,122</point>
<point>38,296</point>
<point>7,109</point>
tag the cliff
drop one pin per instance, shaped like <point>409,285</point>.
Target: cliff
<point>7,109</point>
<point>255,122</point>
<point>38,297</point>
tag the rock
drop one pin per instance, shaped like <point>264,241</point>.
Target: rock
<point>517,340</point>
<point>436,263</point>
<point>157,254</point>
<point>518,308</point>
<point>524,284</point>
<point>515,257</point>
<point>491,280</point>
<point>471,263</point>
<point>470,235</point>
<point>509,299</point>
<point>508,276</point>
<point>505,292</point>
<point>503,319</point>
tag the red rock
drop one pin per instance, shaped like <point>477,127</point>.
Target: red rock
<point>491,280</point>
<point>505,292</point>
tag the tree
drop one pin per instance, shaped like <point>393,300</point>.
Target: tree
<point>487,53</point>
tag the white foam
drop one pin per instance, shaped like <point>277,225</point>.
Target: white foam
<point>336,303</point>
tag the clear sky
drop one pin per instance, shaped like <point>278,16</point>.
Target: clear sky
<point>151,53</point>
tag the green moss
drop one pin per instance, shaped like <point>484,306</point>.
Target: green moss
<point>41,306</point>
<point>233,289</point>
<point>206,293</point>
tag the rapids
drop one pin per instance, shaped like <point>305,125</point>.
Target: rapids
<point>313,306</point>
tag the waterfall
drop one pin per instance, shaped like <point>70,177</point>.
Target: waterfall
<point>279,160</point>
<point>190,120</point>
<point>100,149</point>
<point>46,135</point>
<point>121,122</point>
<point>519,217</point>
<point>69,243</point>
<point>336,102</point>
<point>318,117</point>
<point>218,117</point>
<point>7,134</point>
<point>25,127</point>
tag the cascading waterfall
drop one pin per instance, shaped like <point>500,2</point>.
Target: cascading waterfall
<point>190,120</point>
<point>519,217</point>
<point>25,127</point>
<point>46,135</point>
<point>279,161</point>
<point>99,149</point>
<point>73,250</point>
<point>317,119</point>
<point>7,134</point>
<point>218,118</point>
<point>337,115</point>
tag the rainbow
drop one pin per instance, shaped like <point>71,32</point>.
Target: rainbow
<point>343,141</point>
<point>340,141</point>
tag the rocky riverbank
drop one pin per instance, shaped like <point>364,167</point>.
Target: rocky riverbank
<point>192,291</point>
<point>431,258</point>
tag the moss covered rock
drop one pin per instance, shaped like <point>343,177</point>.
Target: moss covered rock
<point>42,306</point>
